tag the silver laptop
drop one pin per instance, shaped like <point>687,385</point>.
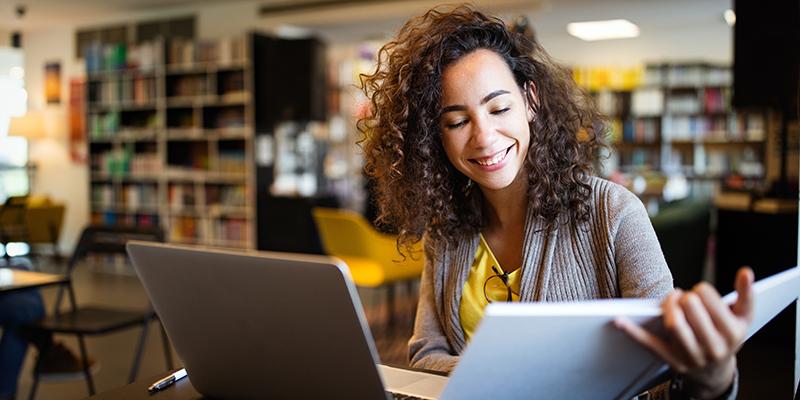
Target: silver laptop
<point>269,325</point>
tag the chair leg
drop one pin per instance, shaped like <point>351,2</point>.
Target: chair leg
<point>167,347</point>
<point>137,357</point>
<point>85,360</point>
<point>410,286</point>
<point>36,369</point>
<point>34,386</point>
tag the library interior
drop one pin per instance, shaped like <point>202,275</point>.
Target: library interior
<point>244,126</point>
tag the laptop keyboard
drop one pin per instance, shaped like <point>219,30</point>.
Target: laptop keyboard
<point>400,396</point>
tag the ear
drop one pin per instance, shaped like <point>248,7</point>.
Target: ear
<point>531,100</point>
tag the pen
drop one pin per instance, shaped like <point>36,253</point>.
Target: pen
<point>167,381</point>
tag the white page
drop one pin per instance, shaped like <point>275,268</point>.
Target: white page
<point>572,351</point>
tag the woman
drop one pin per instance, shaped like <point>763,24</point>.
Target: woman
<point>482,144</point>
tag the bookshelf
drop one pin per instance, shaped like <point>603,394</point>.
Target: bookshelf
<point>676,118</point>
<point>704,137</point>
<point>171,132</point>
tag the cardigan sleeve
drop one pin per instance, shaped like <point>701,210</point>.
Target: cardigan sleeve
<point>428,347</point>
<point>642,270</point>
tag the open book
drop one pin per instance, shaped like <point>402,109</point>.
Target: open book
<point>572,350</point>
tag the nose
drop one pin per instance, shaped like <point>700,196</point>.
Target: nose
<point>483,134</point>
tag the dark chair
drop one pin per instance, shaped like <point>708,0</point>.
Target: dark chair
<point>91,320</point>
<point>683,229</point>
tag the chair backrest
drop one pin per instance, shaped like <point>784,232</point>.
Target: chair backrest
<point>44,223</point>
<point>345,232</point>
<point>683,231</point>
<point>110,239</point>
<point>103,239</point>
<point>348,233</point>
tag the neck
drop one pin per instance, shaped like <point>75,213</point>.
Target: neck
<point>506,208</point>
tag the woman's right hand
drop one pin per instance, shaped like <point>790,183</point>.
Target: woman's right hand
<point>703,334</point>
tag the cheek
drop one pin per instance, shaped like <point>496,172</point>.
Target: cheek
<point>454,151</point>
<point>525,144</point>
<point>524,139</point>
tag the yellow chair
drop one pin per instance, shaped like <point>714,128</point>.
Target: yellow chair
<point>31,219</point>
<point>372,256</point>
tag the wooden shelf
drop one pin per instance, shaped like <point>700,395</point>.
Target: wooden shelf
<point>186,211</point>
<point>188,101</point>
<point>123,209</point>
<point>717,143</point>
<point>634,145</point>
<point>186,134</point>
<point>126,177</point>
<point>213,212</point>
<point>208,100</point>
<point>205,176</point>
<point>697,114</point>
<point>125,106</point>
<point>205,68</point>
<point>122,74</point>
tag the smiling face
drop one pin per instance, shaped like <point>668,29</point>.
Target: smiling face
<point>484,120</point>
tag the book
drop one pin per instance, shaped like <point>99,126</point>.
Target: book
<point>573,351</point>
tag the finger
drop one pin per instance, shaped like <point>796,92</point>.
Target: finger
<point>675,322</point>
<point>743,307</point>
<point>712,344</point>
<point>724,320</point>
<point>652,342</point>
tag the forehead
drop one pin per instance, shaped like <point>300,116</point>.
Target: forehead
<point>476,74</point>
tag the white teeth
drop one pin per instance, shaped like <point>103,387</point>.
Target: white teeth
<point>494,160</point>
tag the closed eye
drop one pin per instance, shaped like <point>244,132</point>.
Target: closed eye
<point>500,111</point>
<point>456,125</point>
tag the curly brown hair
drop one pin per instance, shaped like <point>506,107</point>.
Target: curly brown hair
<point>418,189</point>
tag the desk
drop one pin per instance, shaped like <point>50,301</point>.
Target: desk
<point>12,280</point>
<point>181,390</point>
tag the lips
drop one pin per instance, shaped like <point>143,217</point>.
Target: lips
<point>493,159</point>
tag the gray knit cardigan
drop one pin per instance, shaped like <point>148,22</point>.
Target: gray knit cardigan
<point>615,254</point>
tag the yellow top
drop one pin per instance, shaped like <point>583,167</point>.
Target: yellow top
<point>473,299</point>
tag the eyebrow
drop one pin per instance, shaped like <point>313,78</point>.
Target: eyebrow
<point>459,107</point>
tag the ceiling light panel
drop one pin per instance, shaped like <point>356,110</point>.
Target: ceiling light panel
<point>603,30</point>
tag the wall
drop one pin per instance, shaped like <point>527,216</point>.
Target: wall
<point>56,175</point>
<point>699,36</point>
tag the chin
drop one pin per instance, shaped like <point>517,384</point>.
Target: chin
<point>494,184</point>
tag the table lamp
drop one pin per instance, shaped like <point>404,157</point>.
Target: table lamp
<point>30,126</point>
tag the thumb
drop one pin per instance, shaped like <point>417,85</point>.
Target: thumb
<point>743,308</point>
